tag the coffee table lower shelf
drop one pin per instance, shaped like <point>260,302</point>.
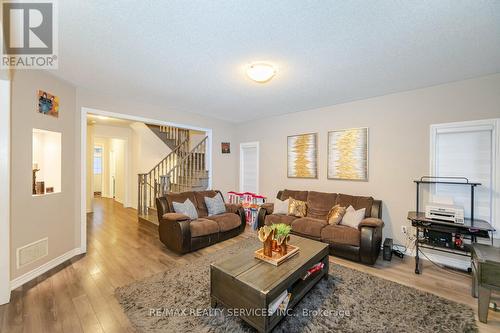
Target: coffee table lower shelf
<point>233,285</point>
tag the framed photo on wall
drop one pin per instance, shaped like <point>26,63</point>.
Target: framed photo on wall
<point>302,156</point>
<point>226,147</point>
<point>348,154</point>
<point>48,104</point>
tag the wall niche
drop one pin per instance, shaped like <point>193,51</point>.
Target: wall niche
<point>46,175</point>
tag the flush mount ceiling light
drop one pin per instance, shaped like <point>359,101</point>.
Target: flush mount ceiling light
<point>261,72</point>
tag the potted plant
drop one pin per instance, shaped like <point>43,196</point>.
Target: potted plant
<point>266,237</point>
<point>282,236</point>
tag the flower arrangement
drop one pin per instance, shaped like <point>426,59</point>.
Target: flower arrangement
<point>282,236</point>
<point>275,238</point>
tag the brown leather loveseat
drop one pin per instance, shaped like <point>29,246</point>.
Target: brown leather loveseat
<point>362,244</point>
<point>181,235</point>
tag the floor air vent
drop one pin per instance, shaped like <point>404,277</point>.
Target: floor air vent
<point>32,252</point>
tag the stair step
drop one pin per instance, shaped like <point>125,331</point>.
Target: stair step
<point>185,188</point>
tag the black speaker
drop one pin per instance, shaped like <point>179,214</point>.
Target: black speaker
<point>387,249</point>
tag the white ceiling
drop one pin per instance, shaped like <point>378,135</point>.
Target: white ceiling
<point>108,121</point>
<point>190,55</point>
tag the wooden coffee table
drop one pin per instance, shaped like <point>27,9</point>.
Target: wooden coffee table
<point>246,286</point>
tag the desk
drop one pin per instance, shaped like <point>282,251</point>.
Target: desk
<point>471,229</point>
<point>485,276</point>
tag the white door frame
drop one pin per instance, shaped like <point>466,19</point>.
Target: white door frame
<point>83,149</point>
<point>253,144</point>
<point>5,108</point>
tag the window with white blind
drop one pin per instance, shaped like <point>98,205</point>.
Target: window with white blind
<point>468,149</point>
<point>249,167</point>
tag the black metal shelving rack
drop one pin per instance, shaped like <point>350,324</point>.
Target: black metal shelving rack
<point>472,227</point>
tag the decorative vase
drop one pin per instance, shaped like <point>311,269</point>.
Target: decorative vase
<point>275,245</point>
<point>266,237</point>
<point>268,247</point>
<point>283,248</point>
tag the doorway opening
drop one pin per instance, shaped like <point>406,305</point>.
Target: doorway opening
<point>127,159</point>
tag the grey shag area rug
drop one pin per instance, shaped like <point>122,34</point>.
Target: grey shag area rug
<point>178,300</point>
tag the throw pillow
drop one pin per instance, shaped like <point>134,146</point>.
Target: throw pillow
<point>281,207</point>
<point>336,214</point>
<point>215,205</point>
<point>187,208</point>
<point>297,208</point>
<point>352,217</point>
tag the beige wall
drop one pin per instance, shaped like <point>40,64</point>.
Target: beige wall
<point>398,141</point>
<point>52,216</point>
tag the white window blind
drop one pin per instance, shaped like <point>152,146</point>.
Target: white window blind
<point>466,151</point>
<point>249,168</point>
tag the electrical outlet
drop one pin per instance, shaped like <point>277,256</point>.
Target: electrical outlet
<point>404,230</point>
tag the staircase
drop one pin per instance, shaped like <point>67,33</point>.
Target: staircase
<point>183,169</point>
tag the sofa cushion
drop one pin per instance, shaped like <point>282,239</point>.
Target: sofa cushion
<point>281,206</point>
<point>201,207</point>
<point>352,218</point>
<point>215,205</point>
<point>340,234</point>
<point>356,202</point>
<point>309,226</point>
<point>203,227</point>
<point>275,219</point>
<point>319,204</point>
<point>186,208</point>
<point>226,221</point>
<point>179,197</point>
<point>336,214</point>
<point>297,208</point>
<point>297,195</point>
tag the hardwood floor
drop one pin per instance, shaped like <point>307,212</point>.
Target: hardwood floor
<point>78,295</point>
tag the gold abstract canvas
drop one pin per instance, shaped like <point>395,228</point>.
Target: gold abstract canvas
<point>302,156</point>
<point>348,154</point>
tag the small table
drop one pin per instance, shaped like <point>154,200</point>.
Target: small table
<point>471,228</point>
<point>249,285</point>
<point>485,276</point>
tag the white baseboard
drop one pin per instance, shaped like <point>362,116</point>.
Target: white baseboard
<point>445,259</point>
<point>19,281</point>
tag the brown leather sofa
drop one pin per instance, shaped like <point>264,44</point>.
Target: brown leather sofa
<point>362,244</point>
<point>181,235</point>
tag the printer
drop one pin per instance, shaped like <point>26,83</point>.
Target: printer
<point>444,212</point>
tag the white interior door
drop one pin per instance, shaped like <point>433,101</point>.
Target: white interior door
<point>112,173</point>
<point>249,167</point>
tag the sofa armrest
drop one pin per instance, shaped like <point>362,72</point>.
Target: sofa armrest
<point>370,242</point>
<point>261,217</point>
<point>173,217</point>
<point>175,232</point>
<point>269,207</point>
<point>232,208</point>
<point>371,222</point>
